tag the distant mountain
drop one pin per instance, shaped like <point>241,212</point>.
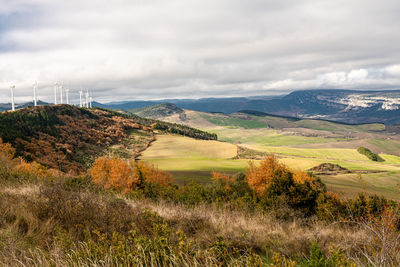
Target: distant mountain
<point>349,106</point>
<point>7,106</point>
<point>157,111</point>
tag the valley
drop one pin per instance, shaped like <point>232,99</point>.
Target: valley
<point>81,185</point>
<point>299,143</point>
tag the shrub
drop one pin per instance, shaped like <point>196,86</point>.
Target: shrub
<point>330,207</point>
<point>318,259</point>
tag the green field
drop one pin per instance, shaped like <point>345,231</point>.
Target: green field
<point>386,145</point>
<point>338,127</point>
<point>222,120</point>
<point>384,183</point>
<point>266,137</point>
<point>300,144</point>
<point>189,159</point>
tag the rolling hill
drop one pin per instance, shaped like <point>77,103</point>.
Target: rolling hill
<point>69,138</point>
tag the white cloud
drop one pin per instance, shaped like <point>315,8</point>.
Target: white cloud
<point>126,49</point>
<point>357,75</point>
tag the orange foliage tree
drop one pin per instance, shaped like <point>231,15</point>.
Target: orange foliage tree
<point>19,167</point>
<point>7,152</point>
<point>126,175</point>
<point>259,178</point>
<point>222,179</point>
<point>152,174</point>
<point>32,168</point>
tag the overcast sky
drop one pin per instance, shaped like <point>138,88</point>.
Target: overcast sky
<point>151,49</point>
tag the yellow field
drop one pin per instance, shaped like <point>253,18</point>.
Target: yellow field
<point>172,146</point>
<point>177,153</point>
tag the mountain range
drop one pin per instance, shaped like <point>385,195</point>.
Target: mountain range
<point>348,106</point>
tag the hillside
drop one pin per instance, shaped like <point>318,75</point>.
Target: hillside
<point>68,138</point>
<point>158,111</point>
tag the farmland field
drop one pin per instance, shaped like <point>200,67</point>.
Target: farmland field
<point>268,137</point>
<point>177,153</point>
<point>189,159</point>
<point>299,143</point>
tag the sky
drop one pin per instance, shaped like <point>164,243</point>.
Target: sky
<point>154,49</point>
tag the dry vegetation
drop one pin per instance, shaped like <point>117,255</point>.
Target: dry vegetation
<point>65,137</point>
<point>127,213</point>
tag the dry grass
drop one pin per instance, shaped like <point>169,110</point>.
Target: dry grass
<point>257,230</point>
<point>30,215</point>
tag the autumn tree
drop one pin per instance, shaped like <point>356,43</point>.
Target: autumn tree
<point>275,183</point>
<point>151,173</point>
<point>126,175</point>
<point>260,178</point>
<point>7,152</point>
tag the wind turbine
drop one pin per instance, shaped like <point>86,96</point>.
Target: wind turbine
<point>80,98</point>
<point>12,87</point>
<point>55,92</point>
<point>61,93</point>
<point>90,101</point>
<point>67,95</point>
<point>34,93</point>
<point>87,98</point>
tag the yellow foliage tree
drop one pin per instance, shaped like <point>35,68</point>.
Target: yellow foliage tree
<point>301,177</point>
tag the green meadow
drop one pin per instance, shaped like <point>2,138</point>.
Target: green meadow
<point>266,137</point>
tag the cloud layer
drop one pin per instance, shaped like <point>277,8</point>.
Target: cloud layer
<point>144,49</point>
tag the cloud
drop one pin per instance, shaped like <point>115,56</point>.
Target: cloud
<point>144,49</point>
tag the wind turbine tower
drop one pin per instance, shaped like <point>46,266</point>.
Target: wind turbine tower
<point>87,98</point>
<point>55,93</point>
<point>61,93</point>
<point>35,85</point>
<point>90,101</point>
<point>67,95</point>
<point>80,98</point>
<point>12,87</point>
